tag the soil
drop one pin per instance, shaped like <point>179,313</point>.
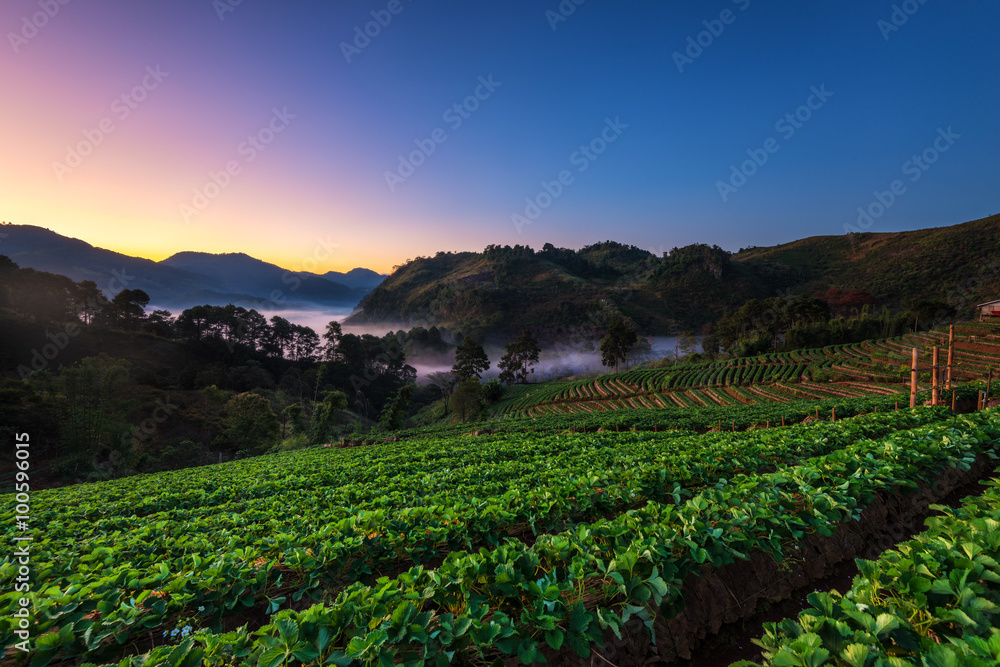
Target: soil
<point>726,607</point>
<point>735,643</point>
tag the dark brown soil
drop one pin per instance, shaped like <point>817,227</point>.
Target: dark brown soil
<point>734,642</point>
<point>726,607</point>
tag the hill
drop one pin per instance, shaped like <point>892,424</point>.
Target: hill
<point>502,290</point>
<point>894,266</point>
<point>237,272</point>
<point>185,279</point>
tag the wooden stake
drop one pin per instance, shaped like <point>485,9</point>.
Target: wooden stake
<point>935,393</point>
<point>989,381</point>
<point>782,421</point>
<point>954,395</point>
<point>951,352</point>
<point>833,415</point>
<point>913,380</point>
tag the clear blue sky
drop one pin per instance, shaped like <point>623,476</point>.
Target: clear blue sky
<point>655,185</point>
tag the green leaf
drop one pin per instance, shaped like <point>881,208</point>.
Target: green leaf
<point>555,639</point>
<point>885,623</point>
<point>272,657</point>
<point>288,630</point>
<point>855,655</point>
<point>939,656</point>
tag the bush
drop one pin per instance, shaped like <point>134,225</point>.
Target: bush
<point>467,401</point>
<point>252,425</point>
<point>493,391</point>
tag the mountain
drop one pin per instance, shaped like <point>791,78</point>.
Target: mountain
<point>562,294</point>
<point>183,280</point>
<point>365,279</point>
<point>240,272</point>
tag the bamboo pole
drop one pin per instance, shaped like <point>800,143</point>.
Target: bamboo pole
<point>913,380</point>
<point>951,352</point>
<point>935,392</point>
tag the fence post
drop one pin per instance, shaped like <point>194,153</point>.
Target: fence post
<point>951,352</point>
<point>935,393</point>
<point>913,380</point>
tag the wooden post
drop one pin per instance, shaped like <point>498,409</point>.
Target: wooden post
<point>913,380</point>
<point>954,395</point>
<point>897,406</point>
<point>782,421</point>
<point>989,381</point>
<point>768,424</point>
<point>951,352</point>
<point>833,415</point>
<point>734,427</point>
<point>935,392</point>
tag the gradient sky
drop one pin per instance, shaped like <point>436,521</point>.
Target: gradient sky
<point>323,176</point>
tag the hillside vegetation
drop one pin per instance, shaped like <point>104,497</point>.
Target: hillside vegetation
<point>564,294</point>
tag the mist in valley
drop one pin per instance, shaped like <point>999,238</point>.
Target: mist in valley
<point>555,361</point>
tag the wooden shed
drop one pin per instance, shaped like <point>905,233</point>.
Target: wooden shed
<point>989,310</point>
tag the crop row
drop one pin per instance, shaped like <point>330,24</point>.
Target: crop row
<point>874,361</point>
<point>933,600</point>
<point>217,541</point>
<point>565,590</point>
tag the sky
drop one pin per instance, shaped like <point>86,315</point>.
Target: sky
<point>336,134</point>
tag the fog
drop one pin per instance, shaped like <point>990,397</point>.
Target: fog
<point>555,361</point>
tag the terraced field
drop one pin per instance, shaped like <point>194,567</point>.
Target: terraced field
<point>449,549</point>
<point>877,367</point>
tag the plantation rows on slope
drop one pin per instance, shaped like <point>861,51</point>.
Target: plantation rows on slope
<point>933,600</point>
<point>876,367</point>
<point>132,564</point>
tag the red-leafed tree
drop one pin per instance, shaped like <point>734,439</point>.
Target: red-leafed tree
<point>846,303</point>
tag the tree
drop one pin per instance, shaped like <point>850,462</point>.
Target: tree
<point>281,336</point>
<point>251,423</point>
<point>334,332</point>
<point>303,342</point>
<point>519,357</point>
<point>493,391</point>
<point>470,360</point>
<point>89,300</point>
<point>325,415</point>
<point>160,323</point>
<point>617,344</point>
<point>394,413</point>
<point>687,343</point>
<point>467,401</point>
<point>444,382</point>
<point>128,308</point>
<point>94,423</point>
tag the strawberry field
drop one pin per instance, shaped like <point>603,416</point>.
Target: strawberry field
<point>527,546</point>
<point>871,368</point>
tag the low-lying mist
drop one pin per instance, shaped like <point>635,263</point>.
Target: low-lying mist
<point>555,361</point>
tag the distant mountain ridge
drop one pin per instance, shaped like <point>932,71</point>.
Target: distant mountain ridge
<point>187,278</point>
<point>562,294</point>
